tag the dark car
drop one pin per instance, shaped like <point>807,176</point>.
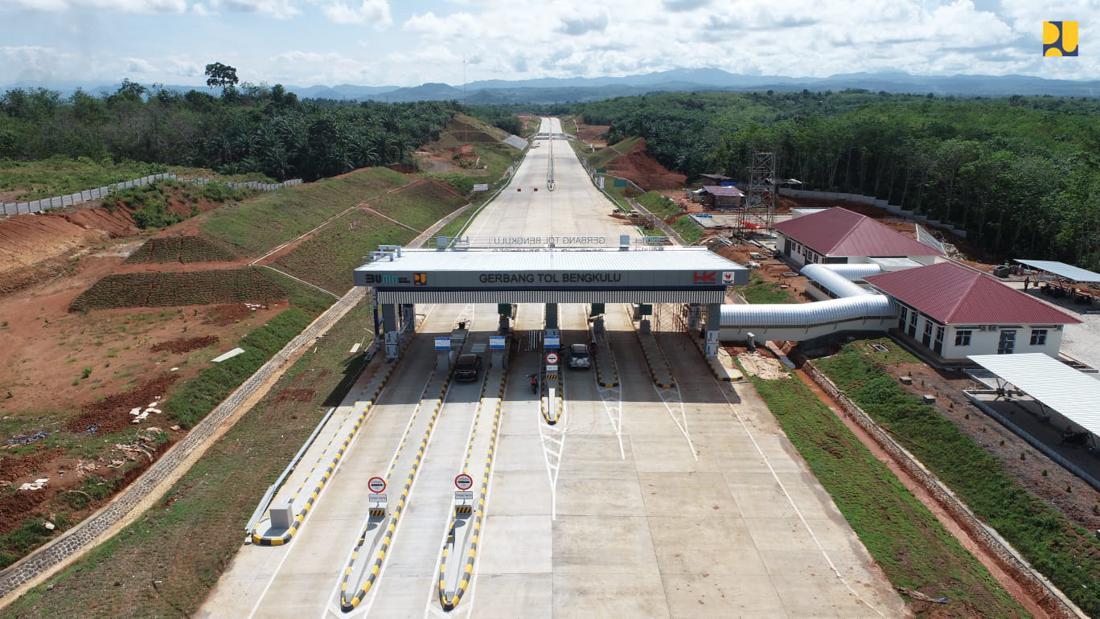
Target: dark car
<point>578,357</point>
<point>468,367</point>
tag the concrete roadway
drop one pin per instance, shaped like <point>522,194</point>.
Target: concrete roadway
<point>737,528</point>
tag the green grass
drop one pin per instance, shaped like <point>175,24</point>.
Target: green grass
<point>260,224</point>
<point>761,291</point>
<point>1065,553</point>
<point>905,539</point>
<point>658,204</point>
<point>45,178</point>
<point>603,157</point>
<point>688,229</point>
<point>455,226</point>
<point>198,396</point>
<point>182,249</point>
<point>328,258</point>
<point>419,206</point>
<point>183,543</point>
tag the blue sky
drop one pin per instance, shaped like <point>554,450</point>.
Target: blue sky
<point>306,42</point>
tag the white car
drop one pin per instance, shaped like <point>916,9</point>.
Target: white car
<point>579,358</point>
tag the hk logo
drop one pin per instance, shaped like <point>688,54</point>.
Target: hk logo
<point>705,277</point>
<point>1060,38</point>
<point>420,279</point>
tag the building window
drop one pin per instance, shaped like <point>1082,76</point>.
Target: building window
<point>1038,337</point>
<point>962,337</point>
<point>913,324</point>
<point>903,317</point>
<point>938,346</point>
<point>1007,344</point>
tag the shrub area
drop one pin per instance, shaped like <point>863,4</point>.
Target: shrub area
<point>181,249</point>
<point>421,205</point>
<point>62,175</point>
<point>196,398</point>
<point>1065,553</point>
<point>161,204</point>
<point>186,288</point>
<point>904,538</point>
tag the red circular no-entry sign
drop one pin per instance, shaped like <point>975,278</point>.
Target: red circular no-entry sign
<point>551,358</point>
<point>376,485</point>
<point>463,481</point>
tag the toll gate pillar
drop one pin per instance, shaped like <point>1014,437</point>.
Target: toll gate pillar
<point>695,317</point>
<point>391,330</point>
<point>714,323</point>
<point>551,316</point>
<point>408,318</point>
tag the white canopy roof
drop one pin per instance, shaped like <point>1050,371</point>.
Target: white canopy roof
<point>1072,394</point>
<point>1061,269</point>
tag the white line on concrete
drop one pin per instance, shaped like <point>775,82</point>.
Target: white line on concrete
<point>790,500</point>
<point>666,396</point>
<point>278,568</point>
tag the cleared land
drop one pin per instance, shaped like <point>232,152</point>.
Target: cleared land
<point>178,567</point>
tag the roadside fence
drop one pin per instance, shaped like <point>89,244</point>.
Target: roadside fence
<point>88,195</point>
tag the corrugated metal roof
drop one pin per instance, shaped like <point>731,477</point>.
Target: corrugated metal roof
<point>895,264</point>
<point>840,232</point>
<point>953,294</point>
<point>806,314</point>
<point>721,190</point>
<point>667,259</point>
<point>1073,394</point>
<point>1061,269</point>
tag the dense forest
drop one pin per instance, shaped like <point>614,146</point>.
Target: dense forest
<point>1020,174</point>
<point>244,130</point>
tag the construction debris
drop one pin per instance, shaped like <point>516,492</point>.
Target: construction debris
<point>26,439</point>
<point>37,484</point>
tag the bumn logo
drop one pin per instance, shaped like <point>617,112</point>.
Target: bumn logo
<point>1060,38</point>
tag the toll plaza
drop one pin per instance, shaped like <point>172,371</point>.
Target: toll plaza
<point>400,278</point>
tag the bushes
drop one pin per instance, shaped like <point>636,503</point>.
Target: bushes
<point>183,288</point>
<point>196,398</point>
<point>180,249</point>
<point>1064,552</point>
<point>761,291</point>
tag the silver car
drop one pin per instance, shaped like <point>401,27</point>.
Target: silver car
<point>579,358</point>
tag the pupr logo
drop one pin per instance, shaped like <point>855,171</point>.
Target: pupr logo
<point>1060,38</point>
<point>420,279</point>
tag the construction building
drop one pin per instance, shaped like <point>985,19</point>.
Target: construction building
<point>839,236</point>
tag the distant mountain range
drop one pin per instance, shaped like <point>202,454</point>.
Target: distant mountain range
<point>558,90</point>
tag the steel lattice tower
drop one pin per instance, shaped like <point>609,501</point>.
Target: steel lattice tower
<point>758,209</point>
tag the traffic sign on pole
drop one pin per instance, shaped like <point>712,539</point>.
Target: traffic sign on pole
<point>376,485</point>
<point>463,481</point>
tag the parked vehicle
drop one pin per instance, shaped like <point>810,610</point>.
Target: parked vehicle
<point>579,357</point>
<point>468,367</point>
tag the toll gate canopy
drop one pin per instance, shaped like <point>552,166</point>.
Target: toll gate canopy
<point>544,275</point>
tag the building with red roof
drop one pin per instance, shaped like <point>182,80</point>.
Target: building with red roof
<point>837,235</point>
<point>956,311</point>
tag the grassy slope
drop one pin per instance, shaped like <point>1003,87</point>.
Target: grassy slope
<point>906,540</point>
<point>420,206</point>
<point>601,158</point>
<point>215,497</point>
<point>273,218</point>
<point>328,257</point>
<point>1064,552</point>
<point>152,289</point>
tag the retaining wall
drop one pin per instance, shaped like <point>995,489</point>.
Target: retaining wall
<point>875,202</point>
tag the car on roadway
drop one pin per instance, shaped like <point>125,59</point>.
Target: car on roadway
<point>579,357</point>
<point>468,367</point>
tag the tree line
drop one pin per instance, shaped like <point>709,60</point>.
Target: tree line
<point>243,130</point>
<point>1020,174</point>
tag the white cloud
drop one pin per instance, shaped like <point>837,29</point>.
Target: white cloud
<point>126,6</point>
<point>373,12</point>
<point>279,9</point>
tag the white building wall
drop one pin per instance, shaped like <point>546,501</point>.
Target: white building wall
<point>986,342</point>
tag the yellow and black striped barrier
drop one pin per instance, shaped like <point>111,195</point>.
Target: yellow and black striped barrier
<point>347,604</point>
<point>278,540</point>
<point>449,602</point>
<point>544,404</point>
<point>651,363</point>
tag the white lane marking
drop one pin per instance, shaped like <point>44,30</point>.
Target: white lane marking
<point>612,398</point>
<point>278,568</point>
<point>790,500</point>
<point>677,399</point>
